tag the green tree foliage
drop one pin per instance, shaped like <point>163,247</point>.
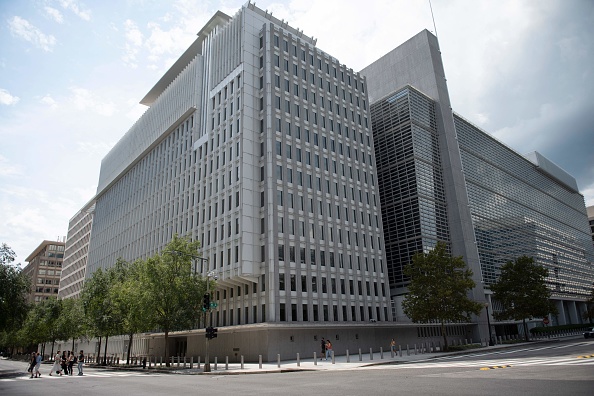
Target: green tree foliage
<point>126,295</point>
<point>102,316</point>
<point>438,289</point>
<point>522,291</point>
<point>14,287</point>
<point>171,293</point>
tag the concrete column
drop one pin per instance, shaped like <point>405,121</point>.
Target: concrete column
<point>561,316</point>
<point>573,312</point>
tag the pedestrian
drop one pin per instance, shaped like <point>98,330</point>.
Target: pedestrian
<point>56,366</point>
<point>37,365</point>
<point>81,360</point>
<point>323,346</point>
<point>71,361</point>
<point>32,362</point>
<point>328,349</point>
<point>393,346</point>
<point>64,363</point>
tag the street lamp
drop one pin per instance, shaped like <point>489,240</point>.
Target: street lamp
<point>210,274</point>
<point>489,324</point>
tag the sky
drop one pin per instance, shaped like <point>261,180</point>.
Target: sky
<point>72,74</point>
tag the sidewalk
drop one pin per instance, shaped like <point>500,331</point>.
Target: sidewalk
<point>340,362</point>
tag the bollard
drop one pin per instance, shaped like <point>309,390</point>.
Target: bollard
<point>315,359</point>
<point>433,346</point>
<point>178,360</point>
<point>150,359</point>
<point>416,349</point>
<point>144,363</point>
<point>381,352</point>
<point>242,362</point>
<point>370,353</point>
<point>298,360</point>
<point>216,362</point>
<point>407,350</point>
<point>400,350</point>
<point>198,363</point>
<point>184,361</point>
<point>260,360</point>
<point>191,362</point>
<point>160,361</point>
<point>278,360</point>
<point>347,356</point>
<point>333,361</point>
<point>360,356</point>
<point>226,362</point>
<point>392,352</point>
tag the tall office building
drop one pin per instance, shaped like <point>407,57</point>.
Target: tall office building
<point>443,179</point>
<point>76,252</point>
<point>258,144</point>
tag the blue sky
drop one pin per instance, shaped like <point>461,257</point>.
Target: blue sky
<point>72,74</point>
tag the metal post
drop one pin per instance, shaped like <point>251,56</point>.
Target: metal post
<point>198,362</point>
<point>348,358</point>
<point>278,359</point>
<point>242,362</point>
<point>333,361</point>
<point>160,361</point>
<point>192,362</point>
<point>360,356</point>
<point>260,360</point>
<point>178,360</point>
<point>489,324</point>
<point>407,350</point>
<point>415,349</point>
<point>370,353</point>
<point>184,361</point>
<point>400,350</point>
<point>381,352</point>
<point>315,359</point>
<point>216,362</point>
<point>226,362</point>
<point>298,360</point>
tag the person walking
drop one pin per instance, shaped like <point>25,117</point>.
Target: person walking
<point>64,363</point>
<point>32,362</point>
<point>71,361</point>
<point>56,367</point>
<point>328,349</point>
<point>37,365</point>
<point>323,346</point>
<point>81,360</point>
<point>393,346</point>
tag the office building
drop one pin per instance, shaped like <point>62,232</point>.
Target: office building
<point>258,144</point>
<point>44,268</point>
<point>441,178</point>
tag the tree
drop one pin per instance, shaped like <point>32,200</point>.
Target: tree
<point>522,291</point>
<point>98,307</point>
<point>438,289</point>
<point>171,293</point>
<point>126,295</point>
<point>14,287</point>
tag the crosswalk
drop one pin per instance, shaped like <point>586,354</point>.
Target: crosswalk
<point>502,363</point>
<point>87,374</point>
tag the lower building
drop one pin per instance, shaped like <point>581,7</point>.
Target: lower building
<point>44,269</point>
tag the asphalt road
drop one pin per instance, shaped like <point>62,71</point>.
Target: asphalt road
<point>559,368</point>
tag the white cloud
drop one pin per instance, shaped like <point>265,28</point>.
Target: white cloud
<point>49,101</point>
<point>22,28</point>
<point>74,7</point>
<point>7,169</point>
<point>134,40</point>
<point>84,100</point>
<point>6,98</point>
<point>56,15</point>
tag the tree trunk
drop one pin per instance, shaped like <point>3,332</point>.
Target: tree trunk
<point>445,337</point>
<point>167,348</point>
<point>98,360</point>
<point>73,345</point>
<point>105,351</point>
<point>525,330</point>
<point>52,355</point>
<point>129,348</point>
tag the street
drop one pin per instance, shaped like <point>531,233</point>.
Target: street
<point>555,368</point>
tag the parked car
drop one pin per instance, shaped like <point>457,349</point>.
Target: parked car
<point>589,333</point>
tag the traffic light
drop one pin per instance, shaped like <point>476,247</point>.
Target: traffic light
<point>206,302</point>
<point>211,332</point>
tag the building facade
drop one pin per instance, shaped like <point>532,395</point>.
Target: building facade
<point>76,252</point>
<point>44,268</point>
<point>258,144</point>
<point>590,211</point>
<point>429,158</point>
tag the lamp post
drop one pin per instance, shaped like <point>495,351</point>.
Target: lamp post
<point>489,324</point>
<point>206,321</point>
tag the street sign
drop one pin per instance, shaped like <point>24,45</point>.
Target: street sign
<point>545,321</point>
